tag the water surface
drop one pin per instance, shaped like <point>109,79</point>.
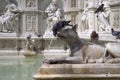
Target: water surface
<point>19,68</point>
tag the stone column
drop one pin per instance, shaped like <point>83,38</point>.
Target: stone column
<point>29,17</point>
<point>91,15</point>
<point>80,8</point>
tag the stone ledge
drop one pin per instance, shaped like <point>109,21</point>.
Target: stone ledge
<point>102,37</point>
<point>12,57</point>
<point>73,71</point>
<point>78,77</point>
<point>54,53</point>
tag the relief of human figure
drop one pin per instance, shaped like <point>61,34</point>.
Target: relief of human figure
<point>53,13</point>
<point>87,16</point>
<point>11,11</point>
<point>103,12</point>
<point>84,19</point>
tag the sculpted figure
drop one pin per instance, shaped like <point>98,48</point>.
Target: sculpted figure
<point>83,52</point>
<point>30,48</point>
<point>84,18</point>
<point>11,11</point>
<point>54,13</point>
<point>103,12</point>
<point>29,44</point>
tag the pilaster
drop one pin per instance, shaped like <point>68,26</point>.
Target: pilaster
<point>29,15</point>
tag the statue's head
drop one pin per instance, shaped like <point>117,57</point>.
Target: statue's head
<point>68,33</point>
<point>8,1</point>
<point>54,2</point>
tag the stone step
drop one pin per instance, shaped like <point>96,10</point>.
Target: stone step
<point>3,58</point>
<point>78,77</point>
<point>80,69</point>
<point>9,53</point>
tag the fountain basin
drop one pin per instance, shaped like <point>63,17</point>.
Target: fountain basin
<point>78,72</point>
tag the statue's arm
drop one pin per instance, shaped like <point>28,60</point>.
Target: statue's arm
<point>107,13</point>
<point>14,8</point>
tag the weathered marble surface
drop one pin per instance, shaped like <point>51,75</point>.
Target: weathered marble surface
<point>78,71</point>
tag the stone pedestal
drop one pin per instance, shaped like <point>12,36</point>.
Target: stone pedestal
<point>78,72</point>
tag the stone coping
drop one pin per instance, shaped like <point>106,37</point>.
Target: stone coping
<point>77,76</point>
<point>73,71</point>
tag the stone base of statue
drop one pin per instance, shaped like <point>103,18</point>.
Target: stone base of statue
<point>28,52</point>
<point>78,72</point>
<point>55,53</point>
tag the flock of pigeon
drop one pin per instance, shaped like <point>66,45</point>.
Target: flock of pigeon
<point>61,24</point>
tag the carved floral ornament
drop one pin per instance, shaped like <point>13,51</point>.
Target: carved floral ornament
<point>31,22</point>
<point>30,3</point>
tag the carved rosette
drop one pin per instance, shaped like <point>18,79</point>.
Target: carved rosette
<point>30,3</point>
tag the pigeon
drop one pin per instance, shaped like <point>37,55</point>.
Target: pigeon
<point>29,37</point>
<point>94,37</point>
<point>59,25</point>
<point>38,34</point>
<point>115,33</point>
<point>100,8</point>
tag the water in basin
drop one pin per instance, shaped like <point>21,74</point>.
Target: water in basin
<point>19,68</point>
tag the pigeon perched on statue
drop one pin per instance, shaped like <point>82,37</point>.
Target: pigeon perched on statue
<point>100,8</point>
<point>59,25</point>
<point>29,37</point>
<point>115,33</point>
<point>38,34</point>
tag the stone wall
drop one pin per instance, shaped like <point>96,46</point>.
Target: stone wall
<point>75,13</point>
<point>33,19</point>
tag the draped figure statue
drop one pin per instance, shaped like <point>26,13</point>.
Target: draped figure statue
<point>53,13</point>
<point>103,15</point>
<point>11,11</point>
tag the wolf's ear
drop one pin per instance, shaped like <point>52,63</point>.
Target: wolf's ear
<point>68,21</point>
<point>75,27</point>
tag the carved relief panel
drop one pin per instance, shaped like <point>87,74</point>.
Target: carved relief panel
<point>115,18</point>
<point>31,22</point>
